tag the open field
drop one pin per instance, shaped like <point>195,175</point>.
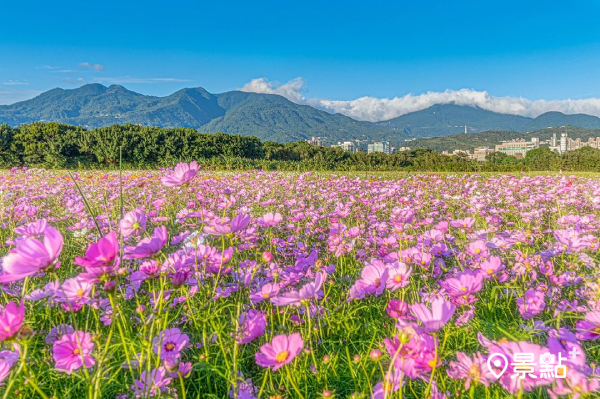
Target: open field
<point>190,284</point>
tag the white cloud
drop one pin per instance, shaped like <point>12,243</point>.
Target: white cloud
<point>15,82</point>
<point>10,96</point>
<point>95,67</point>
<point>129,79</point>
<point>292,90</point>
<point>75,82</point>
<point>379,109</point>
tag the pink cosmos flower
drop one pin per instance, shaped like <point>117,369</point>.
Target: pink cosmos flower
<point>396,308</point>
<point>73,351</point>
<point>398,276</point>
<point>464,283</point>
<point>152,383</point>
<point>31,256</point>
<point>492,267</point>
<point>374,277</point>
<point>574,385</point>
<point>470,369</point>
<point>252,325</point>
<point>224,227</point>
<point>532,304</point>
<point>307,292</point>
<point>267,291</point>
<point>11,320</point>
<point>170,343</point>
<point>183,173</point>
<point>74,292</point>
<point>7,360</point>
<point>435,317</point>
<point>101,258</point>
<point>281,351</point>
<point>270,219</point>
<point>133,222</point>
<point>148,246</point>
<point>32,229</point>
<point>465,223</point>
<point>589,328</point>
<point>49,291</point>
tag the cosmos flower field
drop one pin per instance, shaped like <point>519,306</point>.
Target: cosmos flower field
<point>183,283</point>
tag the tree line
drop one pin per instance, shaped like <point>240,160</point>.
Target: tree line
<point>60,146</point>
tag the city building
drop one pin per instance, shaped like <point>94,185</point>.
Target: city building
<point>564,143</point>
<point>346,146</point>
<point>577,143</point>
<point>382,146</point>
<point>518,147</point>
<point>400,149</point>
<point>480,153</point>
<point>315,141</point>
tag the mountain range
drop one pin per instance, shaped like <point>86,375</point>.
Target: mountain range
<point>267,116</point>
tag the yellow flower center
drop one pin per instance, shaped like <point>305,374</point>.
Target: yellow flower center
<point>80,292</point>
<point>477,250</point>
<point>475,371</point>
<point>398,278</point>
<point>377,281</point>
<point>282,356</point>
<point>136,226</point>
<point>265,295</point>
<point>170,346</point>
<point>76,351</point>
<point>490,271</point>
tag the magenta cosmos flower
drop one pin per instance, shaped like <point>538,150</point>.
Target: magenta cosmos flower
<point>152,383</point>
<point>11,320</point>
<point>32,229</point>
<point>532,304</point>
<point>148,246</point>
<point>73,351</point>
<point>101,258</point>
<point>252,325</point>
<point>31,255</point>
<point>307,292</point>
<point>589,328</point>
<point>470,369</point>
<point>221,227</point>
<point>435,317</point>
<point>170,343</point>
<point>7,360</point>
<point>281,351</point>
<point>464,283</point>
<point>133,222</point>
<point>399,276</point>
<point>183,173</point>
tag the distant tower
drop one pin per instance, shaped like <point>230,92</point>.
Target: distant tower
<point>465,129</point>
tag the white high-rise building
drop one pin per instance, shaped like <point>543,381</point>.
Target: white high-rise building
<point>563,142</point>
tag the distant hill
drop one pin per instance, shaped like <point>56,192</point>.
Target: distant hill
<point>266,116</point>
<point>468,142</point>
<point>549,119</point>
<point>445,119</point>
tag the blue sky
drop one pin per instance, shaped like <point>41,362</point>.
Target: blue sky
<point>341,50</point>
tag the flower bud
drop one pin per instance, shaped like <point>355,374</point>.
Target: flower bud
<point>375,354</point>
<point>109,286</point>
<point>267,257</point>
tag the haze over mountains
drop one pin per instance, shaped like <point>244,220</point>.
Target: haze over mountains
<point>267,116</point>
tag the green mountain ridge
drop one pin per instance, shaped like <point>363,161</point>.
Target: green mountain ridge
<point>444,119</point>
<point>266,116</point>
